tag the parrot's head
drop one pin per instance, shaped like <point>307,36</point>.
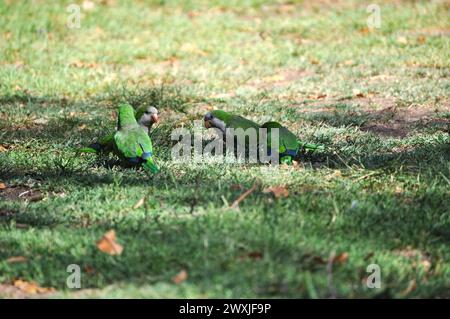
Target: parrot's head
<point>216,119</point>
<point>147,116</point>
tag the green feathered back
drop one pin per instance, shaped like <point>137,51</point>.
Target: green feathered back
<point>234,121</point>
<point>287,139</point>
<point>289,144</point>
<point>131,141</point>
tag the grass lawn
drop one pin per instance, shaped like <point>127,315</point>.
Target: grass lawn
<point>377,98</point>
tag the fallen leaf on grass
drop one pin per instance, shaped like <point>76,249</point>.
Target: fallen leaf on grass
<point>16,259</point>
<point>341,258</point>
<point>254,255</point>
<point>357,93</point>
<point>108,245</point>
<point>180,277</point>
<point>421,39</point>
<point>81,64</point>
<point>139,203</point>
<point>277,191</point>
<point>317,96</point>
<point>31,287</point>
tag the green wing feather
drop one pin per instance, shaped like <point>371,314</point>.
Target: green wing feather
<point>132,141</point>
<point>236,121</point>
<point>288,142</point>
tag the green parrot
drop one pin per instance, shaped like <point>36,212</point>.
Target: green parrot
<point>146,116</point>
<point>289,144</point>
<point>131,141</point>
<point>223,120</point>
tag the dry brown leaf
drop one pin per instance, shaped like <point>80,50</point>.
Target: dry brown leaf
<point>254,255</point>
<point>139,203</point>
<point>31,287</point>
<point>364,30</point>
<point>341,258</point>
<point>321,96</point>
<point>277,191</point>
<point>81,64</point>
<point>357,93</point>
<point>180,277</point>
<point>421,39</point>
<point>108,245</point>
<point>16,259</point>
<point>2,185</point>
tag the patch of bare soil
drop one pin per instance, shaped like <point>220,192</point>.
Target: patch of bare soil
<point>384,116</point>
<point>396,122</point>
<point>11,292</point>
<point>21,193</point>
<point>20,289</point>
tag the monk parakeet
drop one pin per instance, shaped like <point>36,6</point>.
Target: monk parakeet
<point>146,116</point>
<point>131,141</point>
<point>223,120</point>
<point>289,145</point>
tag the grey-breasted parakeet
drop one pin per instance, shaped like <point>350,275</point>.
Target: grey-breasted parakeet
<point>223,120</point>
<point>146,116</point>
<point>131,141</point>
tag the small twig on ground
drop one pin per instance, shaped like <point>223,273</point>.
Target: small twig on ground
<point>244,195</point>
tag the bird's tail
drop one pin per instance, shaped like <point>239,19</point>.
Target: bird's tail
<point>311,147</point>
<point>150,166</point>
<point>93,148</point>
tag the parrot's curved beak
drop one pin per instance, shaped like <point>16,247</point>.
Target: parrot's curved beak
<point>207,124</point>
<point>154,118</point>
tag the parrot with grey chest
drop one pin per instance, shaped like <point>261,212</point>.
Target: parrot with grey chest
<point>145,116</point>
<point>131,142</point>
<point>224,121</point>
